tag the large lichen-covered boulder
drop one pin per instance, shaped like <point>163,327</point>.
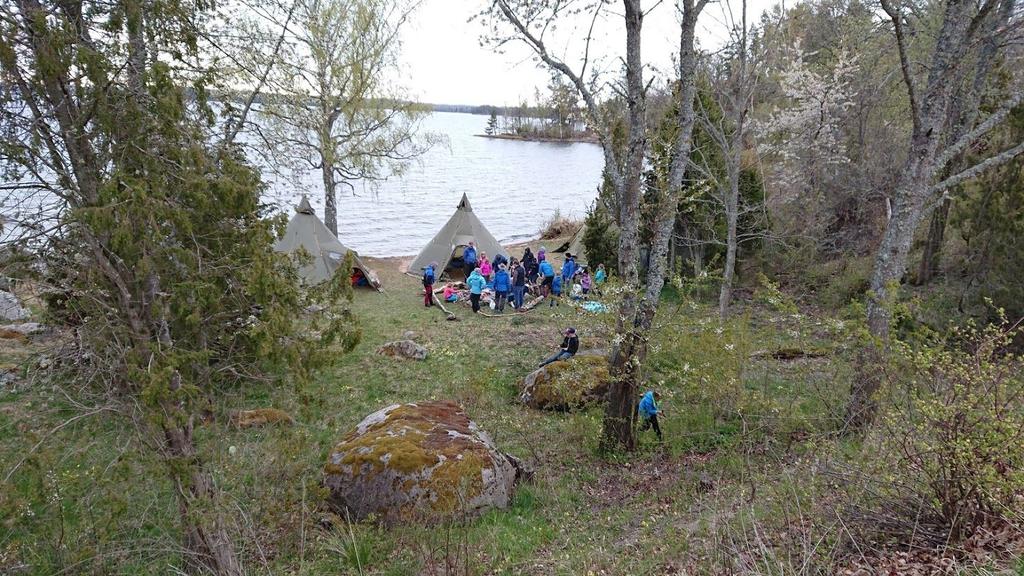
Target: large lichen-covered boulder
<point>423,461</point>
<point>403,349</point>
<point>568,384</point>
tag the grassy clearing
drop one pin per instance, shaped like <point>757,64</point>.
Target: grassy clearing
<point>740,425</point>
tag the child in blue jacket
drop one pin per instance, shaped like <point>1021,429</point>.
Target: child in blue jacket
<point>502,285</point>
<point>547,273</point>
<point>556,290</point>
<point>649,411</point>
<point>476,283</point>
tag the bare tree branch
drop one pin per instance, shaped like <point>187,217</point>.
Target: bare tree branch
<point>974,171</point>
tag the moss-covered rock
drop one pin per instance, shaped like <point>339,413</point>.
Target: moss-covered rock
<point>421,461</point>
<point>574,383</point>
<point>261,417</point>
<point>403,349</point>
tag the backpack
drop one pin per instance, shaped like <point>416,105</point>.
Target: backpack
<point>428,277</point>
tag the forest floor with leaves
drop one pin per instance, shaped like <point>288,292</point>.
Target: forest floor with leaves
<point>740,485</point>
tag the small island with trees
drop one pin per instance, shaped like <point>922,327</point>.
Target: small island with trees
<point>556,117</point>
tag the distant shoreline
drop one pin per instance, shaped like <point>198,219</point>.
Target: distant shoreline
<point>574,140</point>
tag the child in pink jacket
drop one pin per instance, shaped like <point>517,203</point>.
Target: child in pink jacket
<point>485,266</point>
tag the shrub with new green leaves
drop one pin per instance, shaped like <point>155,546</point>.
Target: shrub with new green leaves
<point>949,446</point>
<point>769,294</point>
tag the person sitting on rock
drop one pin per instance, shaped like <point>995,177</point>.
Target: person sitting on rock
<point>570,345</point>
<point>649,411</point>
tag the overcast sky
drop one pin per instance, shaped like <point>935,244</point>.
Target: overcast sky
<point>445,62</point>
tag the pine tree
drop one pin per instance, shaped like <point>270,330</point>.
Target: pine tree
<point>160,251</point>
<point>600,238</point>
<point>492,124</point>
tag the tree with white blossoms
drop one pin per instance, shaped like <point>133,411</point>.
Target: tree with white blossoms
<point>805,134</point>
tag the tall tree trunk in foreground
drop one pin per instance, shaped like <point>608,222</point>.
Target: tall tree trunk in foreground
<point>630,346</point>
<point>636,311</point>
<point>619,430</point>
<point>964,113</point>
<point>207,542</point>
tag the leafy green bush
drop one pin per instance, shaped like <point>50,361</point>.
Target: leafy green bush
<point>769,294</point>
<point>948,449</point>
<point>843,280</point>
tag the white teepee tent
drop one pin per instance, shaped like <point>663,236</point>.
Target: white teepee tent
<point>461,229</point>
<point>308,232</point>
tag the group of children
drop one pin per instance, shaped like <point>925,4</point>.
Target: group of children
<point>510,279</point>
<point>541,273</point>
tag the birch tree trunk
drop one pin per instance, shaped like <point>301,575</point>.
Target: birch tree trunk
<point>619,429</point>
<point>330,197</point>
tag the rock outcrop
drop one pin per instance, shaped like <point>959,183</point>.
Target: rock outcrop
<point>569,384</point>
<point>11,309</point>
<point>423,461</point>
<point>21,330</point>
<point>403,349</point>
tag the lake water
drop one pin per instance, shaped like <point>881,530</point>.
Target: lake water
<point>513,186</point>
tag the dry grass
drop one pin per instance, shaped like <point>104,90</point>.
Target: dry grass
<point>559,226</point>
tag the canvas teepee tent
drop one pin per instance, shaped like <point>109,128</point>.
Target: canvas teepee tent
<point>461,229</point>
<point>306,231</point>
